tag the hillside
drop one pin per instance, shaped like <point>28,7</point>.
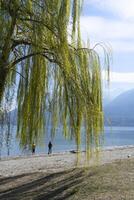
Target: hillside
<point>120,112</point>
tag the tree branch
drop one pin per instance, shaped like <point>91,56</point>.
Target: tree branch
<point>19,42</point>
<point>18,73</point>
<point>40,22</point>
<point>23,58</point>
<point>52,60</point>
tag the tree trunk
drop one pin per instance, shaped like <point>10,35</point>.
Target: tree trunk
<point>4,58</point>
<point>3,76</point>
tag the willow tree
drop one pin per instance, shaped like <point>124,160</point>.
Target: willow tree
<point>40,44</point>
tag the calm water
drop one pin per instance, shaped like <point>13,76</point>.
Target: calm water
<point>115,136</point>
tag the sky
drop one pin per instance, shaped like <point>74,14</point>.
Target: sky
<point>112,22</point>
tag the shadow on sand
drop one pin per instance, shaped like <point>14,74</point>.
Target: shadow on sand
<point>38,186</point>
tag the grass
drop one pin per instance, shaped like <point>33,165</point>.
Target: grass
<point>114,181</point>
<point>110,181</point>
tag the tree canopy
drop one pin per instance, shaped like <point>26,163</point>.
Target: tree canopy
<point>40,44</point>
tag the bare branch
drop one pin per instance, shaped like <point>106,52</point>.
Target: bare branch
<point>19,42</point>
<point>40,22</point>
<point>44,54</point>
<point>18,73</point>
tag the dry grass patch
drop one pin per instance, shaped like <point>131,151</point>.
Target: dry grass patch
<point>113,181</point>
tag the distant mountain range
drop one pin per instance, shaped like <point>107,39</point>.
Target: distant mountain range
<point>120,111</point>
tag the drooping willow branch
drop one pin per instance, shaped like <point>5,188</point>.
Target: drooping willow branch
<point>45,59</point>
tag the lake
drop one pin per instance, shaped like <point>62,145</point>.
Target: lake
<point>113,137</point>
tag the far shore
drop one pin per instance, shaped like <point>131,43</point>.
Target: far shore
<point>61,161</point>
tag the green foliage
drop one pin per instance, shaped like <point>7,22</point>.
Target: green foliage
<point>54,73</point>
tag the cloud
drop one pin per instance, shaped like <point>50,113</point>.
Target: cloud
<point>102,28</point>
<point>119,77</point>
<point>119,83</point>
<point>119,33</point>
<point>121,8</point>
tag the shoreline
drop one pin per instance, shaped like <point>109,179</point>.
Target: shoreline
<point>60,161</point>
<point>71,151</point>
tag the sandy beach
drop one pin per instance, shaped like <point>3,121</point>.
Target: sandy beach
<point>56,176</point>
<point>59,161</point>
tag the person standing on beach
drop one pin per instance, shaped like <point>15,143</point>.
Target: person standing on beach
<point>50,147</point>
<point>33,148</point>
